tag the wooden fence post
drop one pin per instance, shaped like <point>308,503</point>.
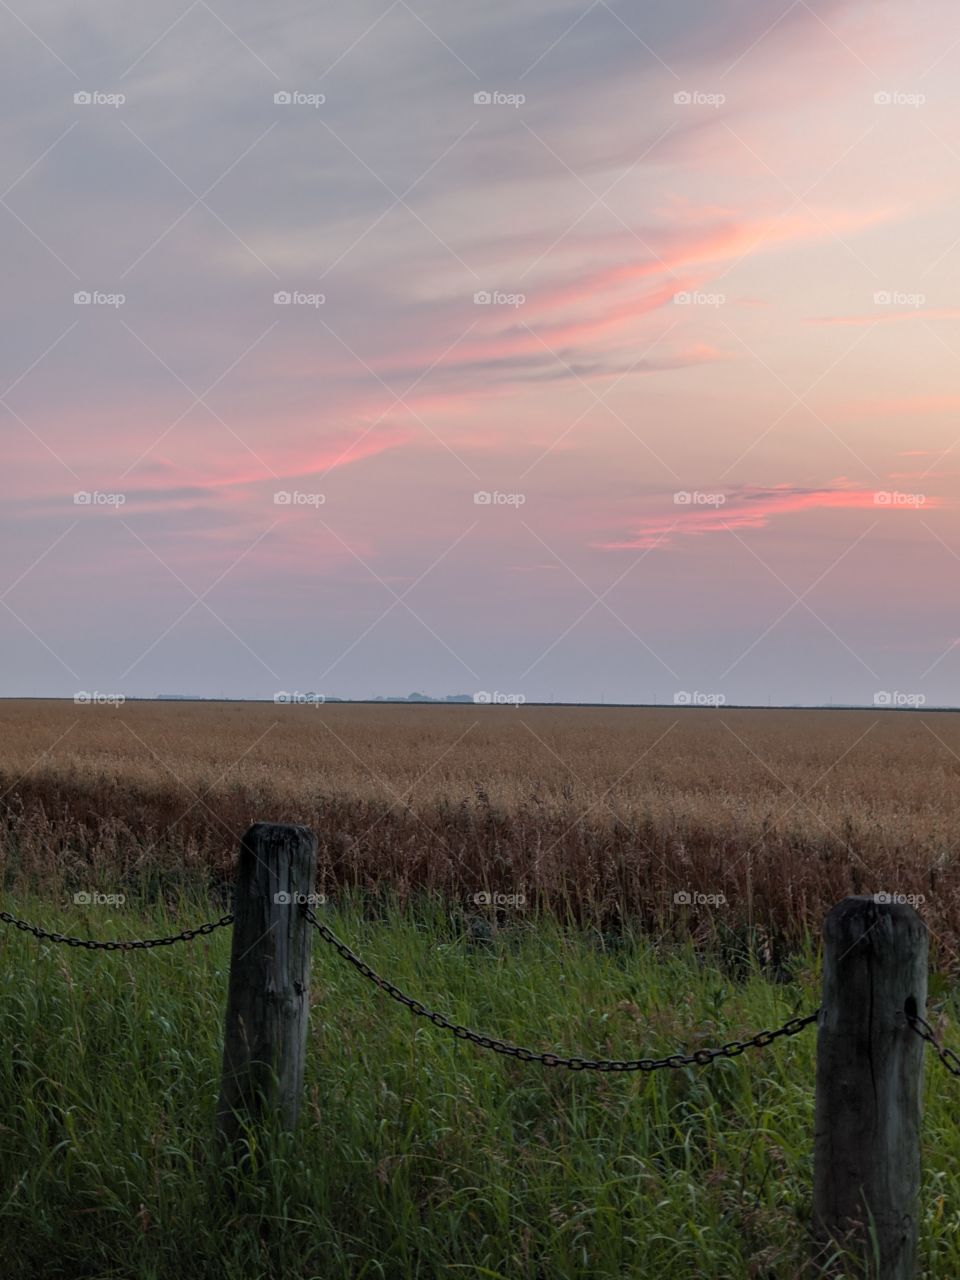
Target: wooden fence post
<point>265,1033</point>
<point>870,1083</point>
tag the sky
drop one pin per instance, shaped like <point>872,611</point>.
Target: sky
<point>547,350</point>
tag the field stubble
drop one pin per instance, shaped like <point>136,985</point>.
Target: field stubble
<point>593,814</point>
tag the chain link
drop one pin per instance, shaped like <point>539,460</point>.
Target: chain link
<point>699,1058</point>
<point>141,945</point>
<point>924,1030</point>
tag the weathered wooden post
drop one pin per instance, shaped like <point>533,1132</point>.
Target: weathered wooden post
<point>870,1083</point>
<point>265,1034</point>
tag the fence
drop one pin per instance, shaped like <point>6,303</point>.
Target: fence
<point>871,1031</point>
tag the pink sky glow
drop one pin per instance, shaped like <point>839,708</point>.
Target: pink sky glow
<point>678,329</point>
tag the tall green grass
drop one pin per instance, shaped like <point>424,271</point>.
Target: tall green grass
<point>418,1155</point>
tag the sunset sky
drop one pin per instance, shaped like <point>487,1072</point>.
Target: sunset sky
<point>714,396</point>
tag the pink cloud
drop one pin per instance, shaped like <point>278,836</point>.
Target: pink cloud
<point>722,240</point>
<point>343,450</point>
<point>604,300</point>
<point>169,483</point>
<point>752,508</point>
<point>606,314</point>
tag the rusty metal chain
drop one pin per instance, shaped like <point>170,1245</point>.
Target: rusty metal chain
<point>141,945</point>
<point>924,1030</point>
<point>700,1057</point>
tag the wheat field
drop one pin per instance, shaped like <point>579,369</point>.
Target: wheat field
<point>593,813</point>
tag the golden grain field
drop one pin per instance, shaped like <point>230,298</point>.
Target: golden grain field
<point>592,811</point>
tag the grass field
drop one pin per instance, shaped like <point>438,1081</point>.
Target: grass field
<point>418,1155</point>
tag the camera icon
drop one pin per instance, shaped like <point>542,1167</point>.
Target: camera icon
<point>682,898</point>
<point>882,699</point>
<point>681,698</point>
<point>482,899</point>
<point>882,897</point>
<point>482,99</point>
<point>283,498</point>
<point>282,899</point>
<point>482,696</point>
<point>482,298</point>
<point>82,899</point>
<point>283,98</point>
<point>82,499</point>
<point>682,498</point>
<point>82,298</point>
<point>883,98</point>
<point>282,298</point>
<point>482,499</point>
<point>82,99</point>
<point>882,298</point>
<point>682,299</point>
<point>683,98</point>
<point>882,498</point>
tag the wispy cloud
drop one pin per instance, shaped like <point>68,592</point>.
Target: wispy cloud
<point>752,508</point>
